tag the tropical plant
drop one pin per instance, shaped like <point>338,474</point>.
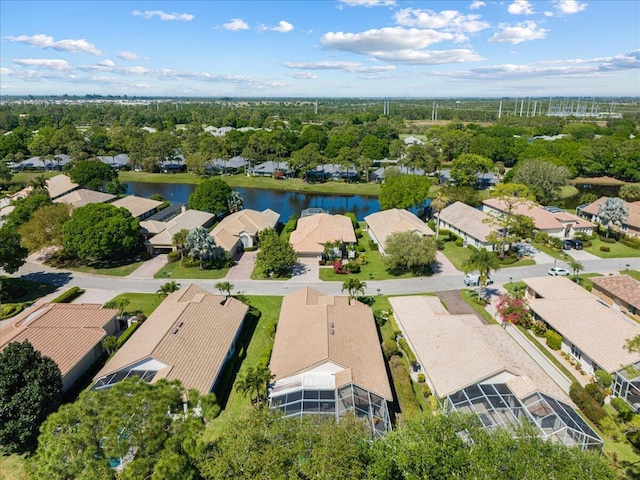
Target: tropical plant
<point>254,383</point>
<point>110,343</point>
<point>575,267</point>
<point>235,202</point>
<point>120,303</point>
<point>613,213</point>
<point>168,288</point>
<point>199,244</point>
<point>438,204</point>
<point>354,287</point>
<point>179,241</point>
<point>224,288</point>
<point>484,262</point>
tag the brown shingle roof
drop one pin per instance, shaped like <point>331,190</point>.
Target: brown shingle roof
<point>197,352</point>
<point>624,287</point>
<point>227,233</point>
<point>64,332</point>
<point>394,220</point>
<point>138,206</point>
<point>314,328</point>
<point>468,219</point>
<point>315,230</point>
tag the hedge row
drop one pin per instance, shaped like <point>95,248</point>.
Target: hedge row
<point>586,403</point>
<point>127,333</point>
<point>407,350</point>
<point>68,296</point>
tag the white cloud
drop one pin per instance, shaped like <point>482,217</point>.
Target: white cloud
<point>520,7</point>
<point>46,63</point>
<point>125,55</point>
<point>447,20</point>
<point>569,7</point>
<point>476,4</point>
<point>340,65</point>
<point>46,41</point>
<point>164,16</point>
<point>283,27</point>
<point>107,63</point>
<point>368,3</point>
<point>236,24</point>
<point>303,75</point>
<point>431,57</point>
<point>522,32</point>
<point>548,13</point>
<point>6,71</point>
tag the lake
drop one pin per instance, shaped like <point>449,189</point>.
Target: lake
<point>597,190</point>
<point>283,202</point>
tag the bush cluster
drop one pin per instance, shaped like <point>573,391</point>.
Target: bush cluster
<point>127,333</point>
<point>210,406</point>
<point>10,309</point>
<point>68,296</point>
<point>604,248</point>
<point>554,340</point>
<point>389,348</point>
<point>607,240</point>
<point>407,351</point>
<point>173,257</point>
<point>586,403</point>
<point>373,246</point>
<point>625,412</point>
<point>354,221</point>
<point>596,392</point>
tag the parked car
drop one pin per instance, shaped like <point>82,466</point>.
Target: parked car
<point>558,271</point>
<point>473,280</point>
<point>567,244</point>
<point>576,244</point>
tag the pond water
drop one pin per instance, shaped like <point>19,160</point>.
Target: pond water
<point>285,203</point>
<point>597,190</point>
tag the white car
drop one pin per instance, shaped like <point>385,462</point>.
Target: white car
<point>558,271</point>
<point>473,280</point>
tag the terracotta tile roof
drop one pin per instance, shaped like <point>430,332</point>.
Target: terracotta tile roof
<point>315,329</point>
<point>186,220</point>
<point>624,287</point>
<point>64,332</point>
<point>59,185</point>
<point>196,353</point>
<point>394,220</point>
<point>468,219</point>
<point>227,233</point>
<point>82,196</point>
<point>634,211</point>
<point>542,219</point>
<point>598,331</point>
<point>315,230</point>
<point>138,206</point>
<point>457,351</point>
<point>555,287</point>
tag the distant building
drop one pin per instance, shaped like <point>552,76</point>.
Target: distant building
<point>159,234</point>
<point>270,169</point>
<point>630,227</point>
<point>139,207</point>
<point>469,223</point>
<point>82,196</point>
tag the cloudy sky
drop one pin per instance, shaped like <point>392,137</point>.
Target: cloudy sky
<point>321,48</point>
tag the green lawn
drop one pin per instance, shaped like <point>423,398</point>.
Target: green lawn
<point>627,458</point>
<point>12,467</point>
<point>119,267</point>
<point>632,273</point>
<point>258,343</point>
<point>559,254</point>
<point>241,180</point>
<point>618,250</point>
<point>456,255</point>
<point>176,271</point>
<point>140,302</point>
<point>470,297</point>
<point>18,290</point>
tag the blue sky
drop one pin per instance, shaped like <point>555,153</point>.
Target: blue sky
<point>321,48</point>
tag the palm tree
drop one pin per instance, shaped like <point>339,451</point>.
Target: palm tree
<point>225,288</point>
<point>168,288</point>
<point>200,244</point>
<point>179,240</point>
<point>576,267</point>
<point>254,383</point>
<point>438,205</point>
<point>354,287</point>
<point>38,183</point>
<point>484,262</point>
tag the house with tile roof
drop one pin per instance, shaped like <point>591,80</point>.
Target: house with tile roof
<point>240,229</point>
<point>159,234</point>
<point>70,334</point>
<point>630,227</point>
<point>480,369</point>
<point>471,224</point>
<point>313,231</point>
<point>327,360</point>
<point>82,196</point>
<point>622,292</point>
<point>139,207</point>
<point>60,185</point>
<point>381,225</point>
<point>553,221</point>
<point>189,337</point>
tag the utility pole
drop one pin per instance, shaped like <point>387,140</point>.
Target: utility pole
<point>500,110</point>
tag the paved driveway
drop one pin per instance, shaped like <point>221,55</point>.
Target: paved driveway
<point>456,305</point>
<point>442,265</point>
<point>149,268</point>
<point>582,255</point>
<point>243,268</point>
<point>307,270</point>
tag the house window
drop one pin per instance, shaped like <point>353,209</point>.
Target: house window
<point>632,310</point>
<point>575,352</point>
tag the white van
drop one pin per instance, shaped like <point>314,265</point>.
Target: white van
<point>473,280</point>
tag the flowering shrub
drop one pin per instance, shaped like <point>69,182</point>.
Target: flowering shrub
<point>513,309</point>
<point>337,267</point>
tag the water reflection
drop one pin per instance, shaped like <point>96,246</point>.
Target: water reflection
<point>285,203</point>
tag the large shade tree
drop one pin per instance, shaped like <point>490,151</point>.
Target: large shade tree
<point>211,196</point>
<point>12,253</point>
<point>98,231</point>
<point>466,168</point>
<point>276,256</point>
<point>543,178</point>
<point>30,389</point>
<point>409,251</point>
<point>44,229</point>
<point>613,213</point>
<point>92,174</point>
<point>404,191</point>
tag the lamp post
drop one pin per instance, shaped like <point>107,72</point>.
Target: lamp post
<point>627,265</point>
<point>510,280</point>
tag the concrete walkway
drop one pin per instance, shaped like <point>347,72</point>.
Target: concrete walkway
<point>149,268</point>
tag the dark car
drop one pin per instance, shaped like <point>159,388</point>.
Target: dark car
<point>576,244</point>
<point>567,244</point>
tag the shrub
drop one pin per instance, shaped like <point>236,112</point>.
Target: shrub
<point>432,225</point>
<point>539,328</point>
<point>542,237</point>
<point>407,351</point>
<point>586,403</point>
<point>210,406</point>
<point>360,249</point>
<point>443,232</point>
<point>459,242</point>
<point>68,296</point>
<point>607,240</point>
<point>127,333</point>
<point>354,221</point>
<point>426,391</point>
<point>586,243</point>
<point>604,248</point>
<point>422,378</point>
<point>352,267</point>
<point>630,243</point>
<point>389,348</point>
<point>596,391</point>
<point>358,233</point>
<point>603,378</point>
<point>513,309</point>
<point>10,309</point>
<point>373,246</point>
<point>173,257</point>
<point>145,255</point>
<point>337,267</point>
<point>554,340</point>
<point>634,438</point>
<point>625,412</point>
